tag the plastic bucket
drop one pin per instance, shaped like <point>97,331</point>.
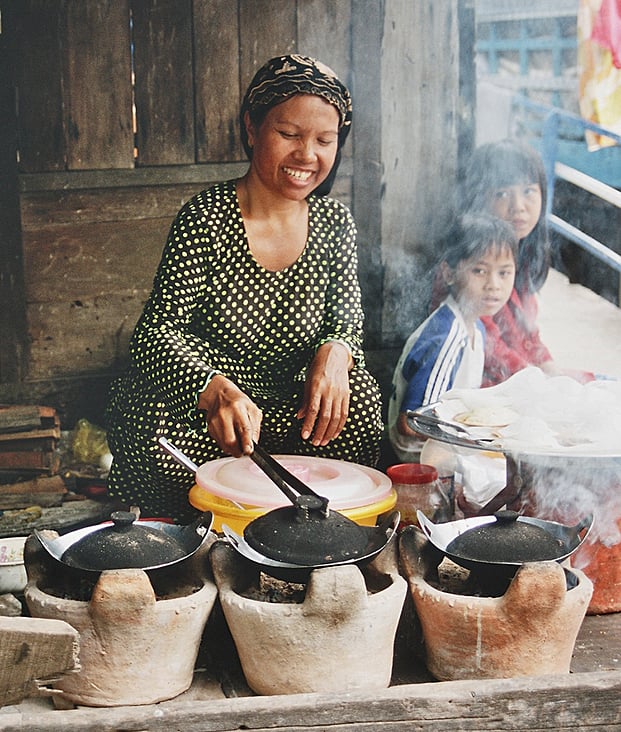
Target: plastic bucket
<point>236,518</point>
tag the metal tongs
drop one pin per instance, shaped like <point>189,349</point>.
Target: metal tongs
<point>436,428</point>
<point>300,494</point>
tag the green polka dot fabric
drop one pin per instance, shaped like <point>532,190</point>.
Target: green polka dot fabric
<point>214,307</point>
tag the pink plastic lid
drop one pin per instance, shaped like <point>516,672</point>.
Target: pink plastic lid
<point>345,485</point>
<point>412,473</point>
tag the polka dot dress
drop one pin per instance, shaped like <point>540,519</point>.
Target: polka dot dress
<point>214,307</point>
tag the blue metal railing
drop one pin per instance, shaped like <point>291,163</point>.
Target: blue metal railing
<point>554,123</point>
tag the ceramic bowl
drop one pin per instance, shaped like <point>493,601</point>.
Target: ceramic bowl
<point>12,571</point>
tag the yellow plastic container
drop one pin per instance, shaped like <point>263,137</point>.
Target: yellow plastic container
<point>226,512</point>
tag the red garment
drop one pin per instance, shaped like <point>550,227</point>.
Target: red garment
<point>512,339</point>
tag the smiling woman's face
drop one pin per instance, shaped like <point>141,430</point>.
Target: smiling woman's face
<point>294,148</point>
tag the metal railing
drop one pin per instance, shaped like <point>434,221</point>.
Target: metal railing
<point>554,123</point>
<point>515,35</point>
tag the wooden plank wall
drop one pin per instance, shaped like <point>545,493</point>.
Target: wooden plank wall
<point>426,121</point>
<point>183,64</point>
<point>13,338</point>
<point>125,108</point>
<point>111,144</point>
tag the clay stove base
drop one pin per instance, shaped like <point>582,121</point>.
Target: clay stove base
<point>530,630</point>
<point>598,489</point>
<point>603,565</point>
<point>134,648</point>
<point>340,638</point>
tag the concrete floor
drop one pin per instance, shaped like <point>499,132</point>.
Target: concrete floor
<point>581,329</point>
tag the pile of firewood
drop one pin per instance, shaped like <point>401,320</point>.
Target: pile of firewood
<point>29,458</point>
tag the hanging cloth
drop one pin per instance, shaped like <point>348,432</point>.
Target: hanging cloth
<point>599,61</point>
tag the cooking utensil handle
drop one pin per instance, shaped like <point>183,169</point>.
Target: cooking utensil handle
<point>178,455</point>
<point>265,466</point>
<point>285,480</point>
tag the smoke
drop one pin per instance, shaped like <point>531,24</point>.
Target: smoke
<point>564,453</point>
<point>570,489</point>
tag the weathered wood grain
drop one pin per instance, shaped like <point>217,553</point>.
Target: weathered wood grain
<point>36,27</point>
<point>71,263</point>
<point>164,94</point>
<point>585,701</point>
<point>324,32</point>
<point>134,178</point>
<point>12,295</point>
<point>97,85</point>
<point>84,336</point>
<point>267,28</point>
<point>41,491</point>
<point>420,104</point>
<point>33,651</point>
<point>217,81</point>
<point>121,205</point>
<point>366,137</point>
<point>39,421</point>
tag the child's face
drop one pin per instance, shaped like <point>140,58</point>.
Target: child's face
<point>519,205</point>
<point>482,285</point>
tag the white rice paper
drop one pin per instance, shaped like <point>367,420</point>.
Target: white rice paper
<point>554,414</point>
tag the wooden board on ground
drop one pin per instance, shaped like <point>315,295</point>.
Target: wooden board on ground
<point>33,652</point>
<point>218,701</point>
<point>45,491</point>
<point>583,701</point>
<point>18,418</point>
<point>71,515</point>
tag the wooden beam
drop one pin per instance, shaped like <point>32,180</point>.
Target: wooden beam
<point>217,81</point>
<point>580,701</point>
<point>98,85</point>
<point>367,21</point>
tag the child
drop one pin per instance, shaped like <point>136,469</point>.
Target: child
<point>447,349</point>
<point>507,179</point>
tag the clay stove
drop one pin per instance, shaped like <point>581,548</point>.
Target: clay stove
<point>339,638</point>
<point>139,634</point>
<point>529,630</point>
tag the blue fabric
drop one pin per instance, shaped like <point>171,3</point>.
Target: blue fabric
<point>433,360</point>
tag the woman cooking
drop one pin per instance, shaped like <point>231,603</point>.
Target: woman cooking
<point>253,329</point>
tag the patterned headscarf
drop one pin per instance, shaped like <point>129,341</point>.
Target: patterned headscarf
<point>283,77</point>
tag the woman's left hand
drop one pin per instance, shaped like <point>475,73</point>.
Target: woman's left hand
<point>326,394</point>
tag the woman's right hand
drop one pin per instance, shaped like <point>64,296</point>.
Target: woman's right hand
<point>233,419</point>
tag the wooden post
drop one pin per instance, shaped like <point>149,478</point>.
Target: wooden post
<point>13,333</point>
<point>413,114</point>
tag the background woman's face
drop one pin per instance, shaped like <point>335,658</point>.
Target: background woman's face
<point>519,205</point>
<point>295,146</point>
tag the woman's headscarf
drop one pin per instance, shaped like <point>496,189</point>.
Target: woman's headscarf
<point>285,76</point>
